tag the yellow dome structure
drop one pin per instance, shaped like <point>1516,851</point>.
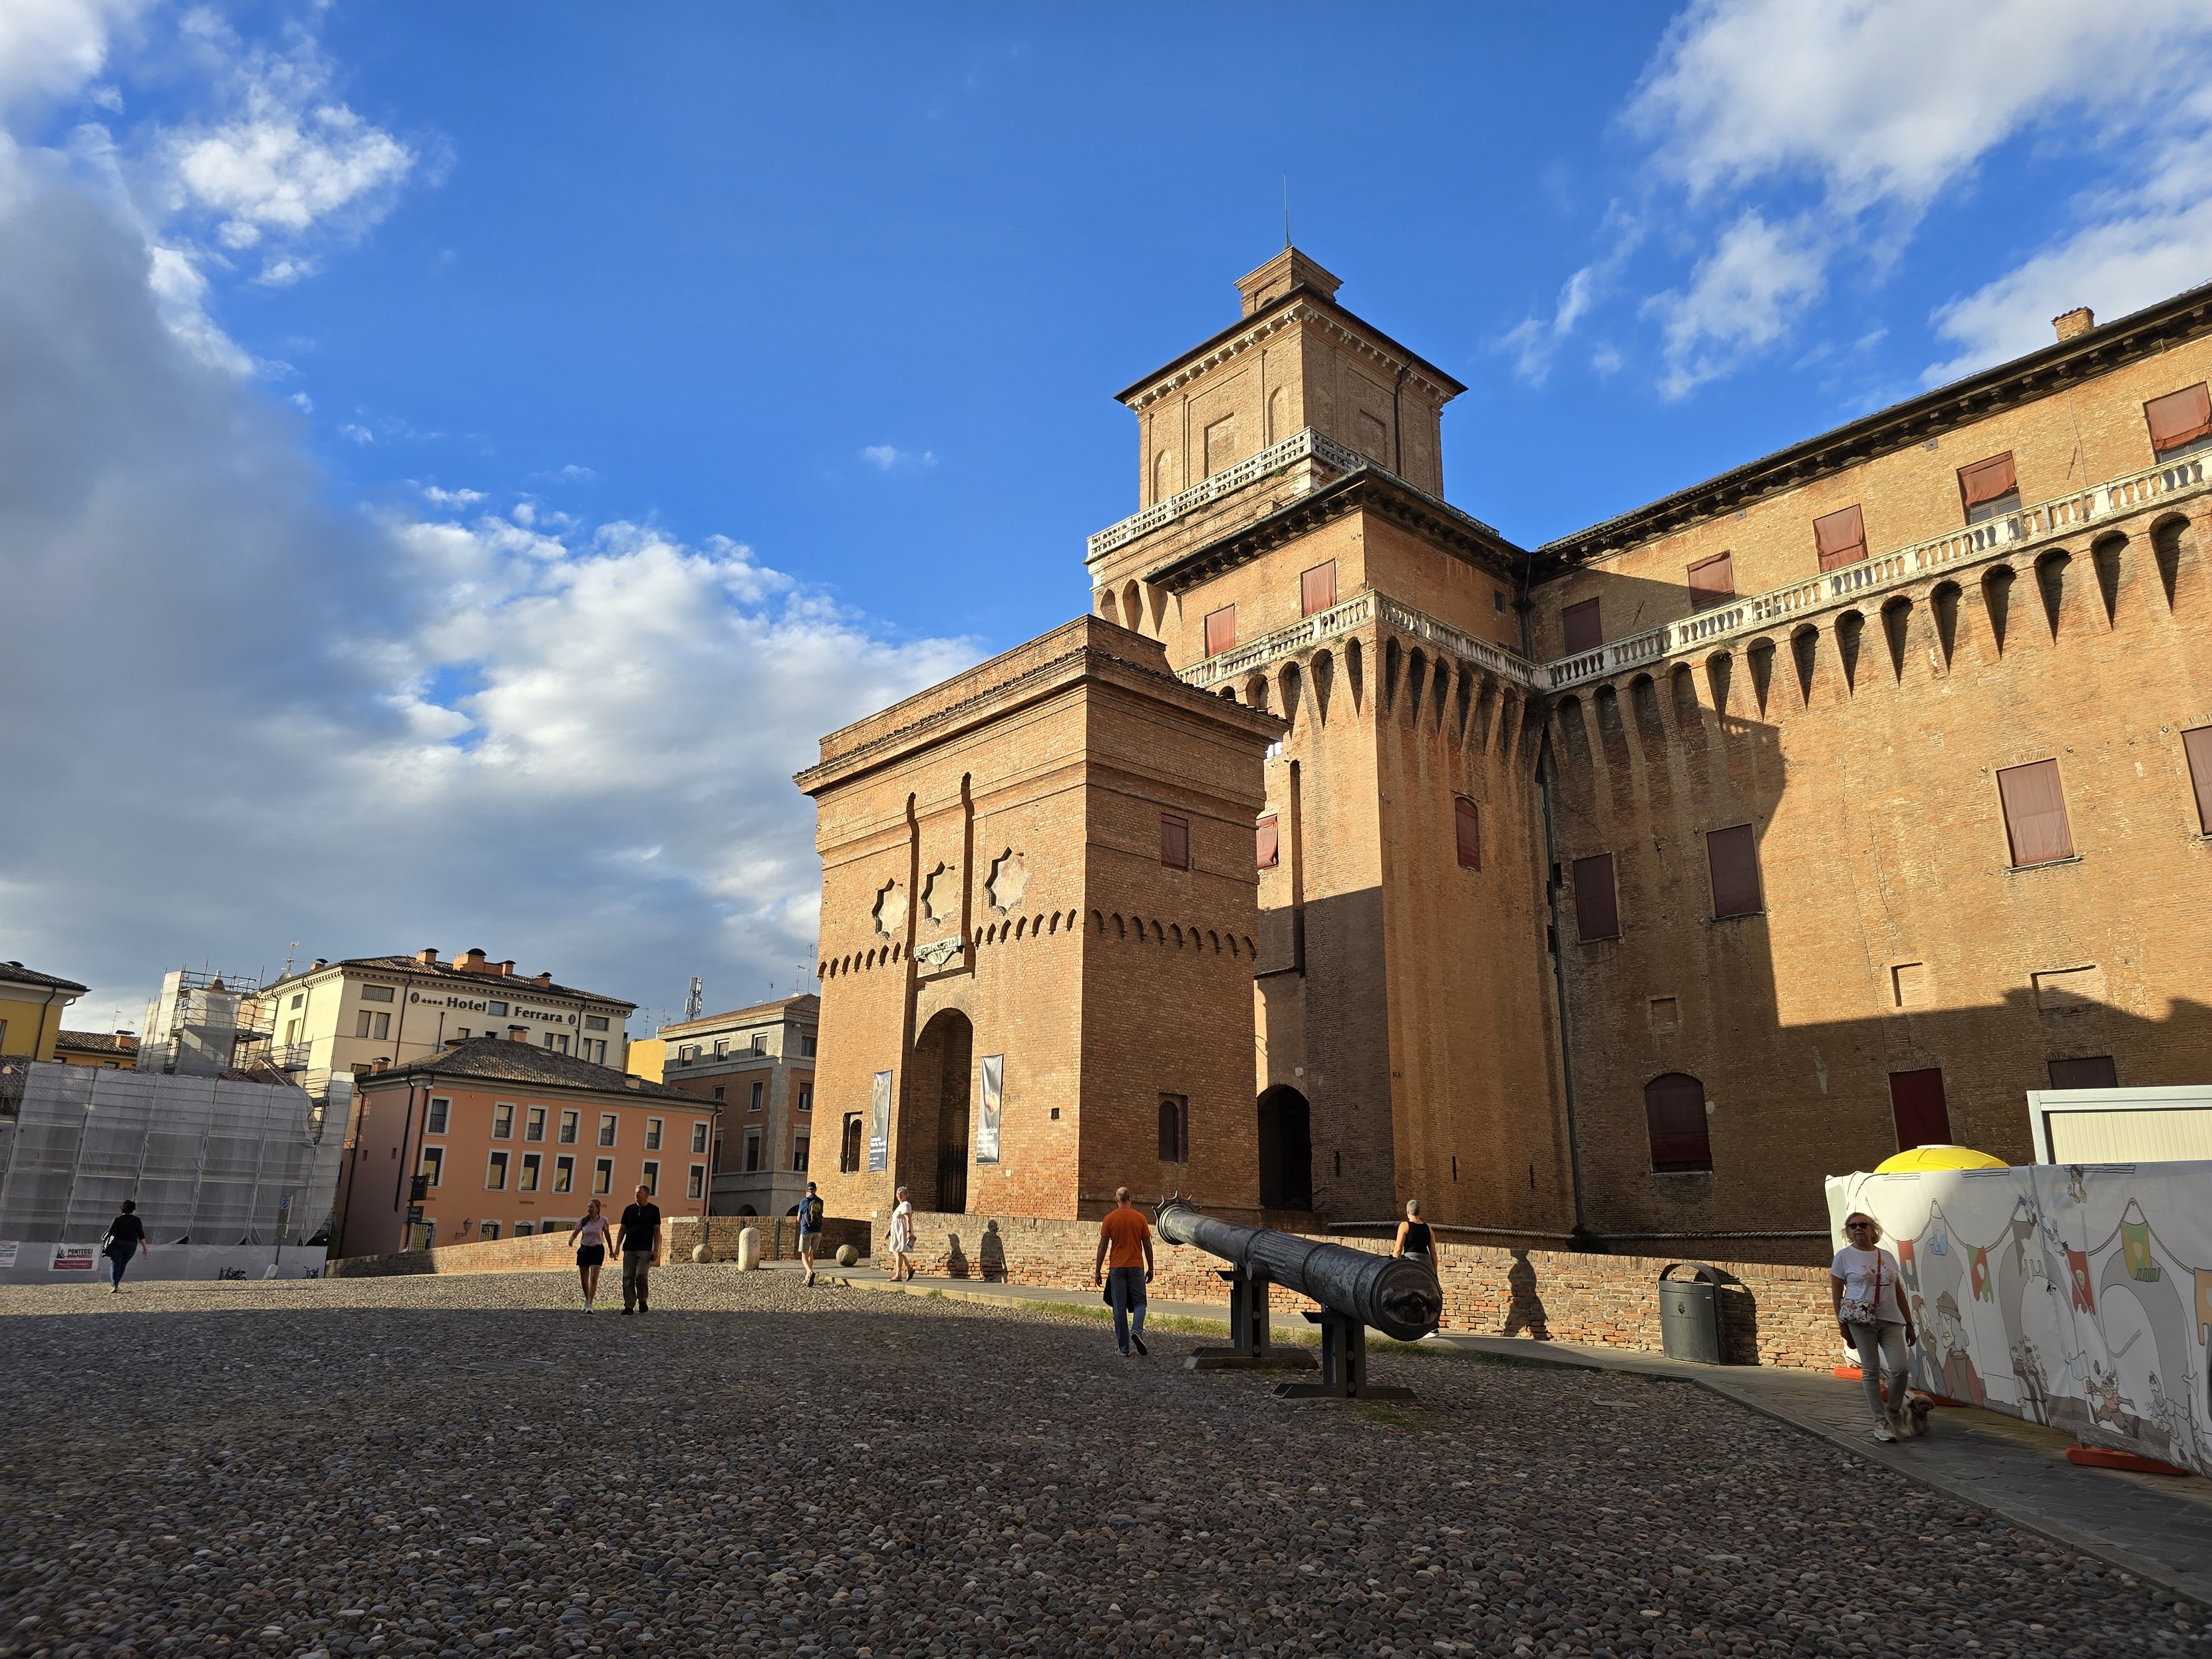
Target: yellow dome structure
<point>1939,1158</point>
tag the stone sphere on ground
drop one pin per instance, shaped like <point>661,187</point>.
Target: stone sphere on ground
<point>699,1252</point>
<point>847,1256</point>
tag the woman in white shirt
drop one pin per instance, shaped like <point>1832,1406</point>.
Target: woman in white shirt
<point>592,1253</point>
<point>901,1238</point>
<point>1870,1312</point>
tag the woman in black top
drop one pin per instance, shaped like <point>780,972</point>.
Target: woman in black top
<point>1415,1238</point>
<point>124,1231</point>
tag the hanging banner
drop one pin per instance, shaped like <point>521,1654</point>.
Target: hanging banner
<point>2078,1296</point>
<point>987,1114</point>
<point>880,1123</point>
<point>72,1259</point>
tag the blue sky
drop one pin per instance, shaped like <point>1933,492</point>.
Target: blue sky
<point>510,434</point>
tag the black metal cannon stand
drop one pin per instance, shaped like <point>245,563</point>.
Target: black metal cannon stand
<point>1251,1326</point>
<point>1343,1365</point>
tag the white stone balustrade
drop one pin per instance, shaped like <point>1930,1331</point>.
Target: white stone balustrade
<point>1303,445</point>
<point>2059,516</point>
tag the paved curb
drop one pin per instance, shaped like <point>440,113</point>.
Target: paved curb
<point>2197,1586</point>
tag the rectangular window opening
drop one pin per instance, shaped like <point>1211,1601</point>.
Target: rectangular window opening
<point>602,1176</point>
<point>441,1110</point>
<point>2097,1072</point>
<point>1221,630</point>
<point>1988,489</point>
<point>1467,832</point>
<point>652,1128</point>
<point>1317,589</point>
<point>1732,860</point>
<point>2179,418</point>
<point>1175,841</point>
<point>1916,1104</point>
<point>1712,581</point>
<point>1269,843</point>
<point>495,1173</point>
<point>695,1186</point>
<point>532,1163</point>
<point>650,1179</point>
<point>1583,629</point>
<point>2034,803</point>
<point>1597,906</point>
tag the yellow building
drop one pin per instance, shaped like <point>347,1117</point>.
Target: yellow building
<point>31,1004</point>
<point>114,1051</point>
<point>647,1055</point>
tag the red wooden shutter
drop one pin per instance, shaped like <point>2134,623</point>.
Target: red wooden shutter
<point>1221,630</point>
<point>1987,481</point>
<point>1175,841</point>
<point>1712,581</point>
<point>1674,1116</point>
<point>2035,812</point>
<point>1317,589</point>
<point>2178,417</point>
<point>1597,909</point>
<point>2098,1073</point>
<point>1916,1102</point>
<point>1468,830</point>
<point>2197,745</point>
<point>1271,845</point>
<point>1732,858</point>
<point>1581,627</point>
<point>1840,537</point>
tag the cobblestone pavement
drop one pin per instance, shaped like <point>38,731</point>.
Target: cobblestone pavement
<point>464,1466</point>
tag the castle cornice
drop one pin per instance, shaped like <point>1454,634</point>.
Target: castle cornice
<point>2109,346</point>
<point>1369,490</point>
<point>1299,305</point>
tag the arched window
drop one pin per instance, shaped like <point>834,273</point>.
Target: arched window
<point>1174,1129</point>
<point>1675,1114</point>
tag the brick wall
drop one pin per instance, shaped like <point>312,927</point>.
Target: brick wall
<point>1770,1316</point>
<point>779,1241</point>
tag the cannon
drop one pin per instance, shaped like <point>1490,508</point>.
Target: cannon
<point>1355,1288</point>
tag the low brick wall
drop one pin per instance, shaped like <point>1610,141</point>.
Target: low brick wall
<point>778,1240</point>
<point>1770,1316</point>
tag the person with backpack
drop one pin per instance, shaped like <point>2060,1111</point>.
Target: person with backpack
<point>810,1229</point>
<point>124,1233</point>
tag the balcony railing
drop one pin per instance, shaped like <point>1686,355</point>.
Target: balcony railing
<point>1365,606</point>
<point>1304,445</point>
<point>2058,516</point>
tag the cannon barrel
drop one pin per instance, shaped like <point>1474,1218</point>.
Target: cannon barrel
<point>1398,1298</point>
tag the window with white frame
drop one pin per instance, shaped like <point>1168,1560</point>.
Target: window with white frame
<point>608,1121</point>
<point>652,1128</point>
<point>441,1110</point>
<point>698,1137</point>
<point>650,1178</point>
<point>602,1176</point>
<point>697,1185</point>
<point>495,1173</point>
<point>532,1163</point>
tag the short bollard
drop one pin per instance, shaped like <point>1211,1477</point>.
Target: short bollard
<point>748,1249</point>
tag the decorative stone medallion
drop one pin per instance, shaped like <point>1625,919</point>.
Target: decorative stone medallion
<point>890,909</point>
<point>940,894</point>
<point>1009,879</point>
<point>937,954</point>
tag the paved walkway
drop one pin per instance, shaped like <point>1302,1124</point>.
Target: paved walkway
<point>2157,1526</point>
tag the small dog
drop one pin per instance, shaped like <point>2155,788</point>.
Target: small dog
<point>1913,1419</point>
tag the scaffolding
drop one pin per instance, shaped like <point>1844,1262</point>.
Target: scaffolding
<point>210,1160</point>
<point>204,1024</point>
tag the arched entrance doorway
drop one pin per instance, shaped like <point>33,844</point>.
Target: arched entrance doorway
<point>942,1058</point>
<point>1285,1150</point>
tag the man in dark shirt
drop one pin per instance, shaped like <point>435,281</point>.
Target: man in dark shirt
<point>126,1236</point>
<point>641,1238</point>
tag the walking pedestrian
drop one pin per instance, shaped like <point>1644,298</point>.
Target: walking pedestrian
<point>1125,1250</point>
<point>640,1242</point>
<point>123,1233</point>
<point>810,1229</point>
<point>1415,1238</point>
<point>592,1253</point>
<point>901,1238</point>
<point>1862,1288</point>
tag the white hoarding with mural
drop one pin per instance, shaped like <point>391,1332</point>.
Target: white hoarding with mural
<point>2078,1296</point>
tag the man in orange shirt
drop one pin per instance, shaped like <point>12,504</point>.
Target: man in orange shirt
<point>1128,1238</point>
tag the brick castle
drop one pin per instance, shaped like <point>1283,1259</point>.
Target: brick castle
<point>1619,889</point>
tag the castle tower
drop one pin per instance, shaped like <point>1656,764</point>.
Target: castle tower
<point>1293,551</point>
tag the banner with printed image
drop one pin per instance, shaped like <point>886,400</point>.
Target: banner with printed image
<point>880,1123</point>
<point>2078,1296</point>
<point>987,1113</point>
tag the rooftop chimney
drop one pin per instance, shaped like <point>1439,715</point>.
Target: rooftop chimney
<point>518,1034</point>
<point>380,1064</point>
<point>2075,323</point>
<point>452,1043</point>
<point>506,968</point>
<point>543,979</point>
<point>472,962</point>
<point>428,955</point>
<point>322,962</point>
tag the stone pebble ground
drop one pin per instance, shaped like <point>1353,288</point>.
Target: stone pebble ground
<point>472,1466</point>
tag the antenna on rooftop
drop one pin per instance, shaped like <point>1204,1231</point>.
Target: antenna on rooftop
<point>696,1002</point>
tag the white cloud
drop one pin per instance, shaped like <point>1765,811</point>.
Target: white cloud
<point>364,731</point>
<point>574,474</point>
<point>287,158</point>
<point>1880,107</point>
<point>1745,294</point>
<point>49,49</point>
<point>889,458</point>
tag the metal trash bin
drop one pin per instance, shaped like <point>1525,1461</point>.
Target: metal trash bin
<point>1690,1314</point>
